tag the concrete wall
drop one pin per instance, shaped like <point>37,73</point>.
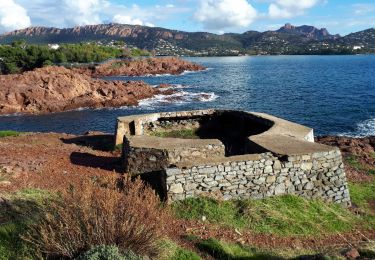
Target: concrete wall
<point>316,175</point>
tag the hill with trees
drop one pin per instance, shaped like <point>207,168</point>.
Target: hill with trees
<point>289,39</point>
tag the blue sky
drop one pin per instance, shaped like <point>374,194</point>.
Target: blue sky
<point>218,16</point>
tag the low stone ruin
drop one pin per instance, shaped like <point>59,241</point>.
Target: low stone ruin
<point>230,155</point>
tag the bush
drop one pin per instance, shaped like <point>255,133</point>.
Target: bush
<point>108,253</point>
<point>91,214</point>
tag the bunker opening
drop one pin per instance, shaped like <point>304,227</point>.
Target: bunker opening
<point>232,128</point>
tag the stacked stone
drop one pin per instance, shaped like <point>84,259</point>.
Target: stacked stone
<point>317,175</point>
<point>141,160</point>
<point>170,125</point>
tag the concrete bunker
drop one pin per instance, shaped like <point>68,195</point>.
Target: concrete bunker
<point>229,154</point>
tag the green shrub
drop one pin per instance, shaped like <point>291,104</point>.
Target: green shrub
<point>104,252</point>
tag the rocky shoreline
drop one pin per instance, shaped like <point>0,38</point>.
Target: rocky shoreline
<point>57,89</point>
<point>141,67</point>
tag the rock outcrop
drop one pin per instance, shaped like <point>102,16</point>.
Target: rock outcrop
<point>54,89</point>
<point>147,66</point>
<point>363,147</point>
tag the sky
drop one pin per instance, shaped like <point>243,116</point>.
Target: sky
<point>217,16</point>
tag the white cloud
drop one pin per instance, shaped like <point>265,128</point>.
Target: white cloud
<point>222,14</point>
<point>126,19</point>
<point>363,9</point>
<point>12,16</point>
<point>290,8</point>
<point>275,11</point>
<point>301,4</point>
<point>83,12</point>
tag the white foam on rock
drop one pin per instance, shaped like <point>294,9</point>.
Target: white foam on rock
<point>181,97</point>
<point>363,129</point>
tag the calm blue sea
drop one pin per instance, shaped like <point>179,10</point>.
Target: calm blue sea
<point>332,94</point>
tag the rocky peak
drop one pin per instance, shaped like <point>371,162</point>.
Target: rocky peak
<point>307,30</point>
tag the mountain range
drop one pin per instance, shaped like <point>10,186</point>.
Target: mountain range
<point>289,39</point>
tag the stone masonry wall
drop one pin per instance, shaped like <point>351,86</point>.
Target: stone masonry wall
<point>142,160</point>
<point>317,175</point>
<point>170,125</point>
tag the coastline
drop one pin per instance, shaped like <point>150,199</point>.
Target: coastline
<point>56,89</point>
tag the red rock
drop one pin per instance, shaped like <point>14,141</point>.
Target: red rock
<point>54,89</point>
<point>141,67</point>
<point>352,254</point>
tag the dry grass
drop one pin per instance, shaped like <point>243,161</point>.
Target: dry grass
<point>130,217</point>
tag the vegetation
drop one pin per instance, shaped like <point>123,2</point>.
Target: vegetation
<point>110,219</point>
<point>100,214</point>
<point>172,251</point>
<point>16,213</point>
<point>354,162</point>
<point>277,215</point>
<point>182,133</point>
<point>20,56</point>
<point>108,253</point>
<point>361,194</point>
<point>222,250</point>
<point>7,133</point>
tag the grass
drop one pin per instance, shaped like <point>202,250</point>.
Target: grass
<point>218,249</point>
<point>182,133</point>
<point>284,215</point>
<point>362,193</point>
<point>7,133</point>
<point>172,251</point>
<point>354,162</point>
<point>223,250</point>
<point>119,64</point>
<point>117,147</point>
<point>23,208</point>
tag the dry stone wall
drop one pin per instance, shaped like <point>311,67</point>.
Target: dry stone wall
<point>317,175</point>
<point>141,159</point>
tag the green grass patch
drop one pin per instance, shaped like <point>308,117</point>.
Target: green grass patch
<point>354,162</point>
<point>283,215</point>
<point>219,249</point>
<point>7,133</point>
<point>222,250</point>
<point>118,147</point>
<point>172,251</point>
<point>182,133</point>
<point>21,209</point>
<point>362,193</point>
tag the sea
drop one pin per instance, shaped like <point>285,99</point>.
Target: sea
<point>335,95</point>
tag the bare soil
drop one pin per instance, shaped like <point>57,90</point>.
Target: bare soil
<point>54,161</point>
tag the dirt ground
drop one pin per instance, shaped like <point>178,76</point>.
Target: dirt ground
<point>54,161</point>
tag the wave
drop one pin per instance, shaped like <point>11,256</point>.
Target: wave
<point>185,72</point>
<point>173,86</point>
<point>181,97</point>
<point>363,129</point>
<point>193,71</point>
